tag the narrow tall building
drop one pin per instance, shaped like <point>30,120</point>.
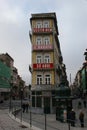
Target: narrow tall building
<point>47,62</point>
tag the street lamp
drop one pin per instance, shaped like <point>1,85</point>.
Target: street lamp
<point>63,100</point>
<point>21,102</point>
<point>30,70</point>
<point>30,105</point>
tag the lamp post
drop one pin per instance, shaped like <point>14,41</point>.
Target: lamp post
<point>21,102</point>
<point>30,106</point>
<point>30,70</point>
<point>63,100</point>
<point>45,105</point>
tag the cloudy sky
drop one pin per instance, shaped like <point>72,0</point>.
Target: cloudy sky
<point>15,26</point>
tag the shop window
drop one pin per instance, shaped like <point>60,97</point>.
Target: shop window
<point>33,92</point>
<point>38,101</point>
<point>33,101</point>
<point>53,102</point>
<point>38,93</point>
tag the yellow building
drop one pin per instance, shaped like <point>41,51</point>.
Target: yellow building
<point>46,61</point>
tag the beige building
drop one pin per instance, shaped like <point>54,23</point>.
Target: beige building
<point>47,62</point>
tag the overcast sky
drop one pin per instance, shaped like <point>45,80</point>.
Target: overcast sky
<point>15,25</point>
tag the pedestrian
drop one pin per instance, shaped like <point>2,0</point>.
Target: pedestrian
<point>72,117</point>
<point>23,107</point>
<point>81,118</point>
<point>69,117</point>
<point>26,107</point>
<point>84,102</point>
<point>79,105</point>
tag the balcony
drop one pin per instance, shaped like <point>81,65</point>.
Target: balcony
<point>42,47</point>
<point>43,87</point>
<point>42,30</point>
<point>43,66</point>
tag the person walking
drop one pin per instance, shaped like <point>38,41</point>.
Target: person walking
<point>23,107</point>
<point>72,117</point>
<point>26,107</point>
<point>79,105</point>
<point>84,102</point>
<point>81,118</point>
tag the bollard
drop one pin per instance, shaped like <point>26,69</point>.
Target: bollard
<point>45,122</point>
<point>15,112</point>
<point>69,126</point>
<point>30,120</point>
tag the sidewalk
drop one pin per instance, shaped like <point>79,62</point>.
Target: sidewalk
<point>8,122</point>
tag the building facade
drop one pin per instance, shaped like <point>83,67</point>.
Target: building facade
<point>47,63</point>
<point>10,81</point>
<point>5,75</point>
<point>81,78</point>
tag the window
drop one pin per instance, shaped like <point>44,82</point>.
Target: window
<point>39,79</point>
<point>38,93</point>
<point>39,40</point>
<point>33,101</point>
<point>47,59</point>
<point>47,79</point>
<point>46,24</point>
<point>46,41</point>
<point>38,101</point>
<point>39,24</point>
<point>53,101</point>
<point>39,59</point>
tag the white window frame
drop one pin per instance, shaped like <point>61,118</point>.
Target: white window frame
<point>39,59</point>
<point>39,24</point>
<point>38,40</point>
<point>46,58</point>
<point>46,24</point>
<point>39,79</point>
<point>47,79</point>
<point>46,40</point>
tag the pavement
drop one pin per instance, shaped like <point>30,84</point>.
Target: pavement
<point>10,122</point>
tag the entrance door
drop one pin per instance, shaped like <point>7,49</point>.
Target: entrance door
<point>46,105</point>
